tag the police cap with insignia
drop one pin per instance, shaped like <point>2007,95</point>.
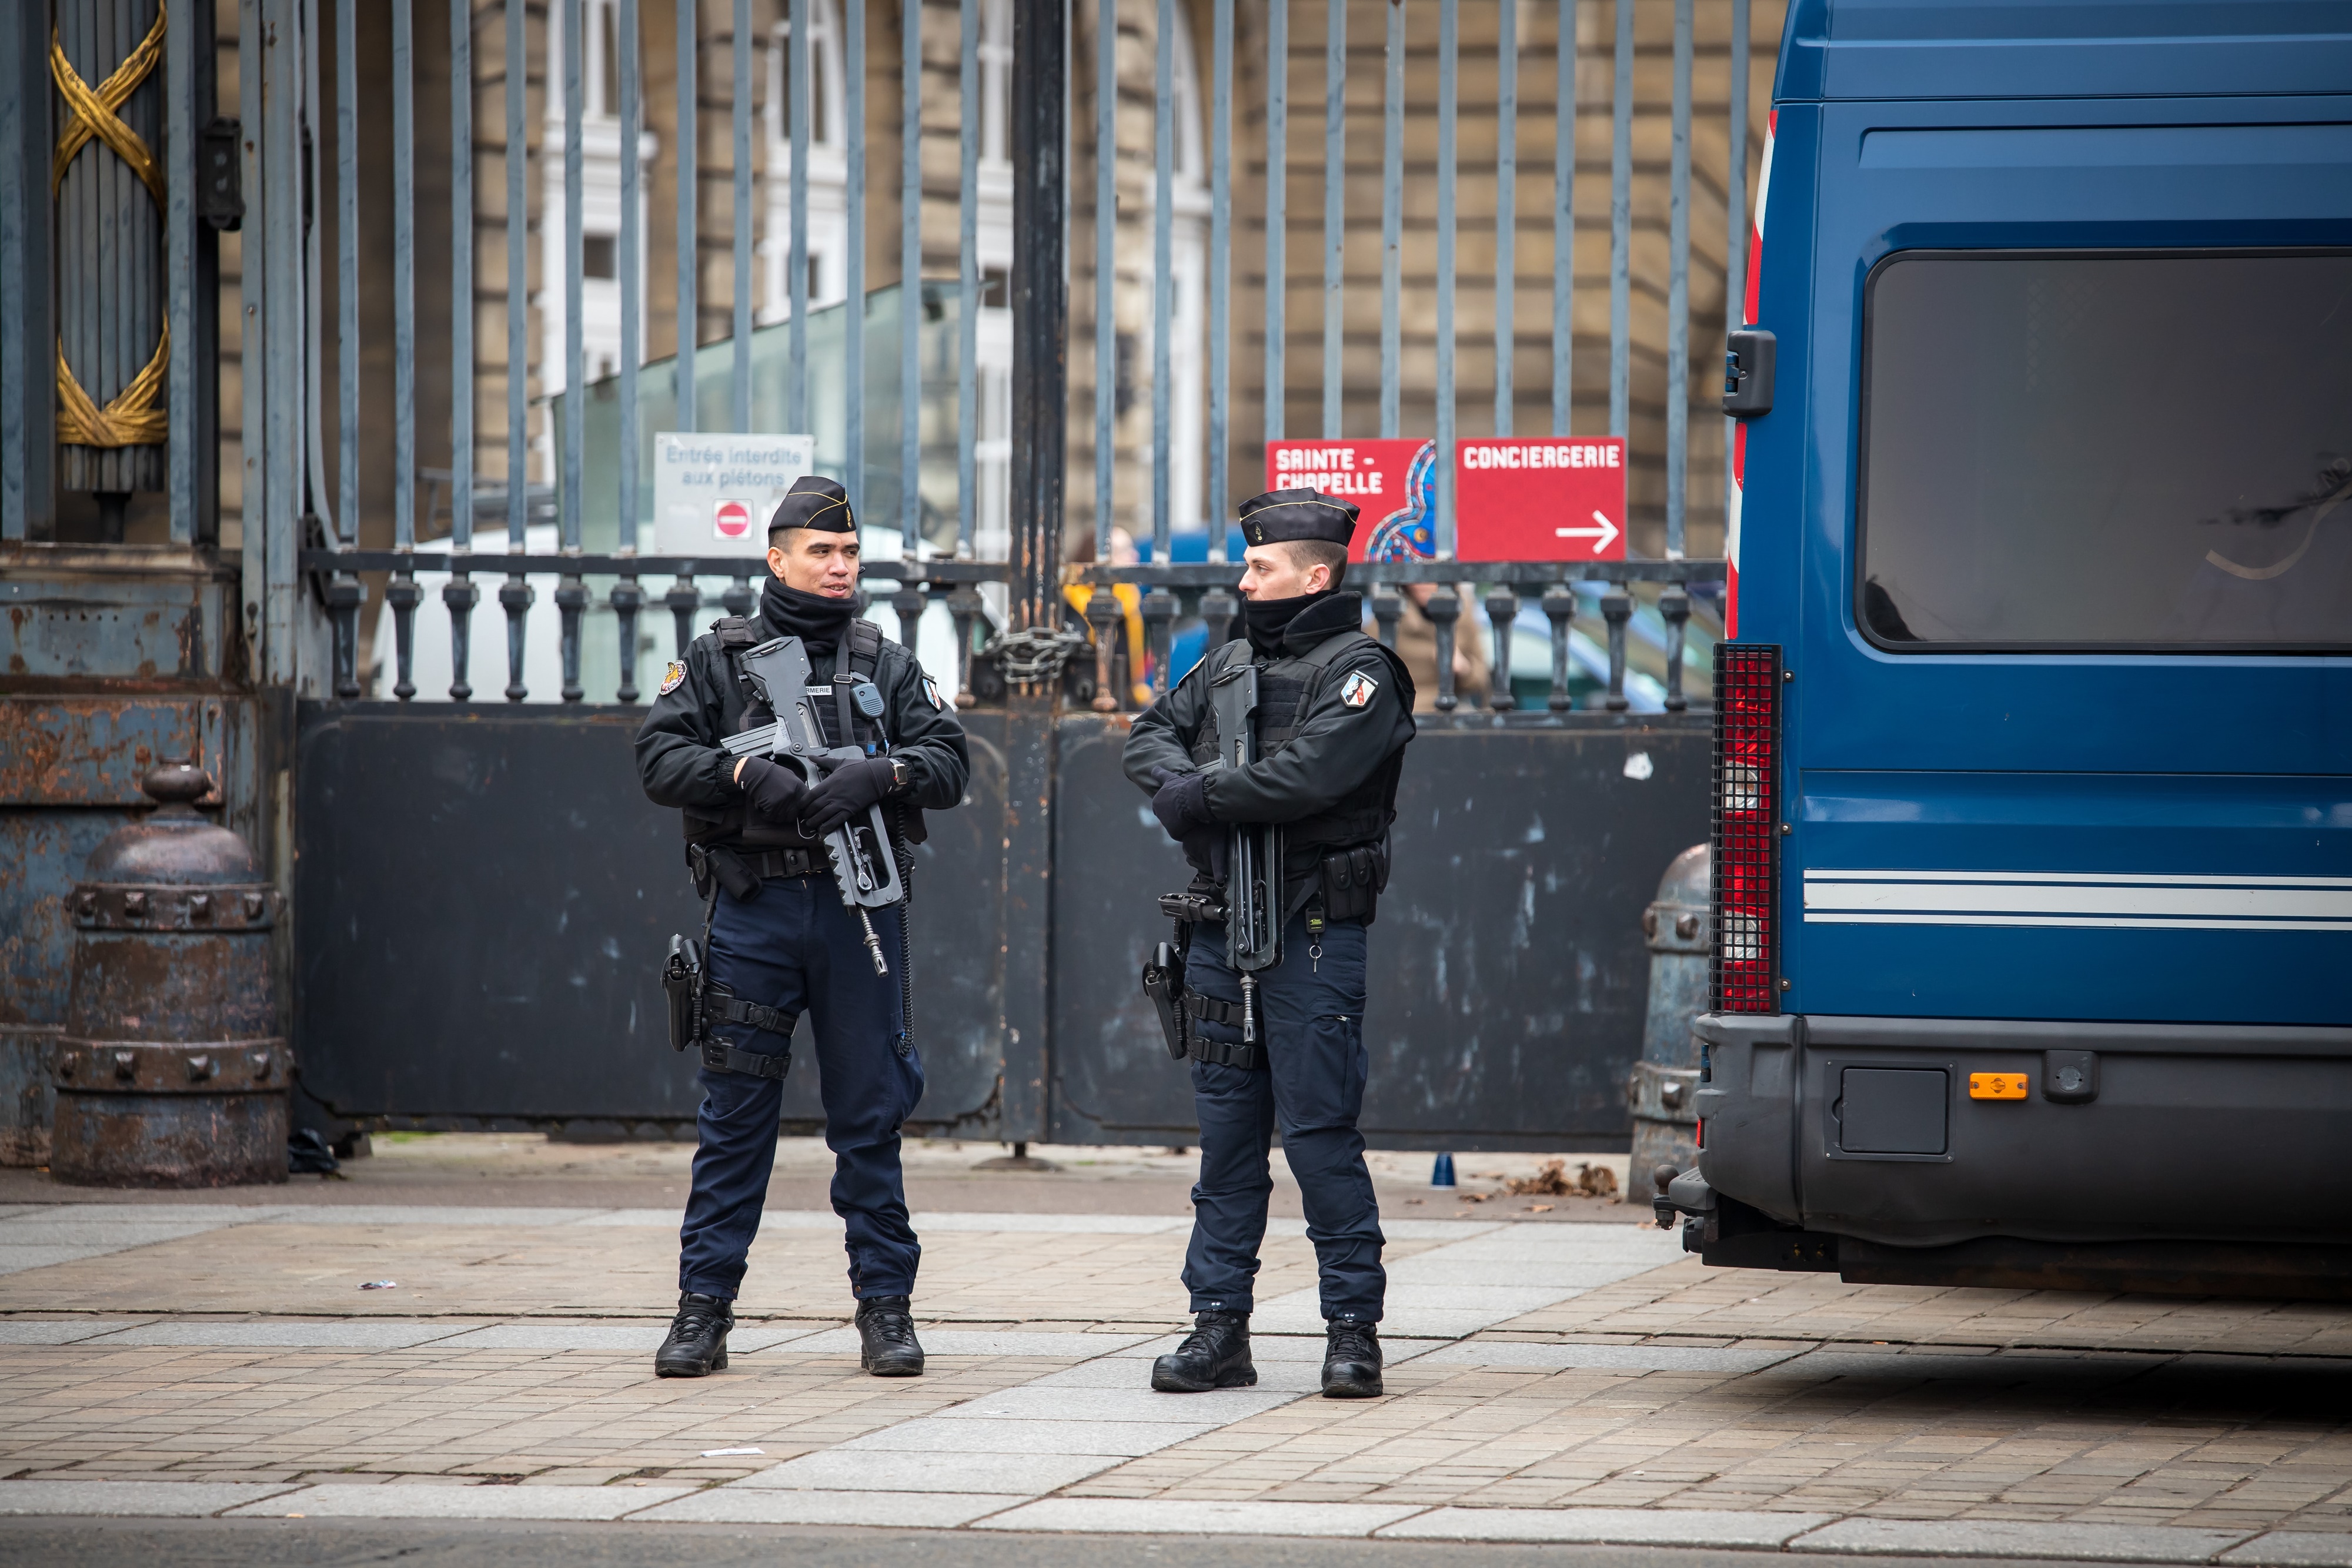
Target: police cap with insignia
<point>813,502</point>
<point>1283,515</point>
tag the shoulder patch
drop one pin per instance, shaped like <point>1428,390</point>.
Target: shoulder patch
<point>1358,688</point>
<point>672,678</point>
<point>931,690</point>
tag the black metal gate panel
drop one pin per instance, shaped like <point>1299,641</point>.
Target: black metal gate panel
<point>485,898</point>
<point>1508,972</point>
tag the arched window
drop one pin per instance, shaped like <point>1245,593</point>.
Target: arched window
<point>828,234</point>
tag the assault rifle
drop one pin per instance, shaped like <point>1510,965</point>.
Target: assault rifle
<point>1253,879</point>
<point>863,864</point>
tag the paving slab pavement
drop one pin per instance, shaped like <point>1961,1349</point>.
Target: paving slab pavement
<point>1575,1382</point>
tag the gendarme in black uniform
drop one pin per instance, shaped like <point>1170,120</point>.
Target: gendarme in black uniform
<point>1335,713</point>
<point>781,943</point>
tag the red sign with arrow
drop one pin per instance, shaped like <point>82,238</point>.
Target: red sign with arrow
<point>1556,498</point>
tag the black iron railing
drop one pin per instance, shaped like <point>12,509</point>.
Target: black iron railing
<point>1170,592</point>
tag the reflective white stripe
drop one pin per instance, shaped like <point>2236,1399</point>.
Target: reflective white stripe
<point>2080,878</point>
<point>2120,899</point>
<point>1838,917</point>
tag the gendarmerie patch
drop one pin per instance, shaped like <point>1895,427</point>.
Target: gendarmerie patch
<point>672,678</point>
<point>931,690</point>
<point>1358,689</point>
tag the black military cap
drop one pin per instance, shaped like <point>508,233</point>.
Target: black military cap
<point>815,502</point>
<point>1281,515</point>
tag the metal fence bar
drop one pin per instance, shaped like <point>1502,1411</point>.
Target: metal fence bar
<point>180,285</point>
<point>633,280</point>
<point>1563,224</point>
<point>1392,219</point>
<point>347,280</point>
<point>690,227</point>
<point>323,495</point>
<point>1278,175</point>
<point>626,598</point>
<point>1164,262</point>
<point>284,349</point>
<point>517,71</point>
<point>799,67</point>
<point>1221,271</point>
<point>1106,268</point>
<point>571,597</point>
<point>1449,51</point>
<point>403,596</point>
<point>740,387</point>
<point>1335,209</point>
<point>1678,291</point>
<point>968,290</point>
<point>1735,233</point>
<point>910,270</point>
<point>1506,211</point>
<point>459,595</point>
<point>854,268</point>
<point>461,272</point>
<point>1621,226</point>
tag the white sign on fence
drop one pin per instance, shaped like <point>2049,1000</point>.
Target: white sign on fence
<point>713,494</point>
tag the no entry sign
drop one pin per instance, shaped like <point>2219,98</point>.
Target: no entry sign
<point>1542,498</point>
<point>1392,483</point>
<point>713,494</point>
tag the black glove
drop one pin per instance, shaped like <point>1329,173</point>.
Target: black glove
<point>844,793</point>
<point>775,793</point>
<point>1182,804</point>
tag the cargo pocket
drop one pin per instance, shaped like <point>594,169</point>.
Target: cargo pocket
<point>1338,1043</point>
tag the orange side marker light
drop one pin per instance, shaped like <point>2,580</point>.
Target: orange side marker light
<point>1997,1085</point>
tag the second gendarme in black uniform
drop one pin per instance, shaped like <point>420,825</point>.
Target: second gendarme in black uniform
<point>781,942</point>
<point>1282,1043</point>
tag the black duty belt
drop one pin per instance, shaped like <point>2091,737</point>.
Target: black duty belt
<point>766,863</point>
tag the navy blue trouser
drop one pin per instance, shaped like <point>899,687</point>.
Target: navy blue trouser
<point>1311,1031</point>
<point>796,947</point>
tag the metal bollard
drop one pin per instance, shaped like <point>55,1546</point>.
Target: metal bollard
<point>1665,1080</point>
<point>170,1071</point>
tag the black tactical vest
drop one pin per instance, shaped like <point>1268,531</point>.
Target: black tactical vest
<point>1286,689</point>
<point>740,709</point>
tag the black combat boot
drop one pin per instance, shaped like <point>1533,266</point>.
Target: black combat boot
<point>1352,1360</point>
<point>1215,1355</point>
<point>886,1346</point>
<point>697,1345</point>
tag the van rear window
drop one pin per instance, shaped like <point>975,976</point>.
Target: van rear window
<point>2147,450</point>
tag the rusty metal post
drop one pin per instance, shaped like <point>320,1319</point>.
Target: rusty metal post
<point>171,1070</point>
<point>1665,1082</point>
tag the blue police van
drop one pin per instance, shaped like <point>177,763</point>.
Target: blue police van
<point>2034,781</point>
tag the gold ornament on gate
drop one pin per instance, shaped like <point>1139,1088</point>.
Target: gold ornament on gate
<point>131,419</point>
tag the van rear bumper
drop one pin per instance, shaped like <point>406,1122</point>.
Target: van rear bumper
<point>1865,1128</point>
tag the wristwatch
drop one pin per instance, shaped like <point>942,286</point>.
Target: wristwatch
<point>900,775</point>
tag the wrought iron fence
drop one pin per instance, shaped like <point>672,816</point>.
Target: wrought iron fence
<point>346,575</point>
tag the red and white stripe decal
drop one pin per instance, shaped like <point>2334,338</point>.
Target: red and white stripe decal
<point>1740,434</point>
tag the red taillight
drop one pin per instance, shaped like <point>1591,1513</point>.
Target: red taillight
<point>1745,829</point>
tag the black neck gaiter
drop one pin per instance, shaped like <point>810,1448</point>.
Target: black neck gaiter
<point>1299,623</point>
<point>816,618</point>
<point>1266,620</point>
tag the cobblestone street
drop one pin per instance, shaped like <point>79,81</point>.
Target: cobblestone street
<point>1559,1372</point>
